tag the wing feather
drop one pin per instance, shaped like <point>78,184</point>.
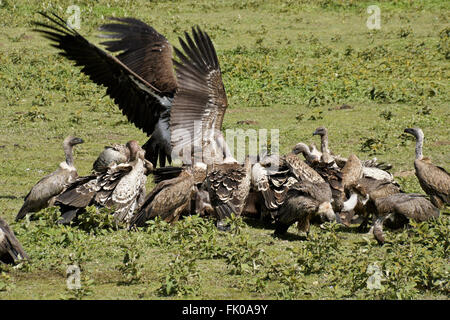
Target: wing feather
<point>201,94</point>
<point>140,101</point>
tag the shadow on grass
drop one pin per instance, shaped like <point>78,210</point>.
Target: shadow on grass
<point>10,197</point>
<point>258,223</point>
<point>290,237</point>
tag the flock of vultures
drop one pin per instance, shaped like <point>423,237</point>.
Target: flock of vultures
<point>165,97</point>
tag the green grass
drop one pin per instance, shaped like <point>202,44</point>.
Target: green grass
<point>287,65</point>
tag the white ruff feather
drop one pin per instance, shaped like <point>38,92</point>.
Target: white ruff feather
<point>63,165</point>
<point>350,204</point>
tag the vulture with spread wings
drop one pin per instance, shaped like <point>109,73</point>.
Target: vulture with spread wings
<point>142,82</point>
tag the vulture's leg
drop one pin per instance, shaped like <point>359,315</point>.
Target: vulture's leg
<point>378,228</point>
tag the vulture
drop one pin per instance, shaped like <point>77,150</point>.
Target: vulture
<point>43,193</point>
<point>196,117</point>
<point>309,153</point>
<point>352,172</point>
<point>370,167</point>
<point>228,185</point>
<point>326,153</point>
<point>175,189</point>
<point>177,111</point>
<point>121,187</point>
<point>315,152</point>
<point>363,196</point>
<point>11,250</point>
<point>274,175</point>
<point>303,201</point>
<point>408,205</point>
<point>434,180</point>
<point>332,175</point>
<point>140,80</point>
<point>292,190</point>
<point>117,153</point>
<point>269,187</point>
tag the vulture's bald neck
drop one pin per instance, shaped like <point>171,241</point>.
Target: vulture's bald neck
<point>419,146</point>
<point>68,151</point>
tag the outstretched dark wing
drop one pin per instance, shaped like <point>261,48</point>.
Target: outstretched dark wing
<point>144,50</point>
<point>201,96</point>
<point>149,54</point>
<point>139,100</point>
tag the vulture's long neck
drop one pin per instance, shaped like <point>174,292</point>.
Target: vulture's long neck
<point>303,148</point>
<point>324,148</point>
<point>324,143</point>
<point>419,146</point>
<point>68,150</point>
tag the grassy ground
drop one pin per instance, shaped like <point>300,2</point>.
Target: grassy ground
<point>287,65</point>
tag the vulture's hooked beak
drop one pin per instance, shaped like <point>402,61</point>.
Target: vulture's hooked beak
<point>77,141</point>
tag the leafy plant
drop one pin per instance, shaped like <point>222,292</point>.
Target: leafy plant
<point>96,221</point>
<point>375,145</point>
<point>85,290</point>
<point>243,256</point>
<point>181,277</point>
<point>386,115</point>
<point>131,268</point>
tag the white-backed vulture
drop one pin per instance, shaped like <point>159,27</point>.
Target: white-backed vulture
<point>333,176</point>
<point>142,82</point>
<point>304,200</point>
<point>121,187</point>
<point>200,103</point>
<point>410,205</point>
<point>310,156</point>
<point>201,204</point>
<point>371,167</point>
<point>11,251</point>
<point>326,153</point>
<point>172,195</point>
<point>434,180</point>
<point>274,175</point>
<point>315,152</point>
<point>352,172</point>
<point>117,153</point>
<point>228,185</point>
<point>292,190</point>
<point>369,190</point>
<point>43,193</point>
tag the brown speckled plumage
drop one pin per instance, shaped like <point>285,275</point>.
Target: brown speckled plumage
<point>121,187</point>
<point>168,199</point>
<point>228,186</point>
